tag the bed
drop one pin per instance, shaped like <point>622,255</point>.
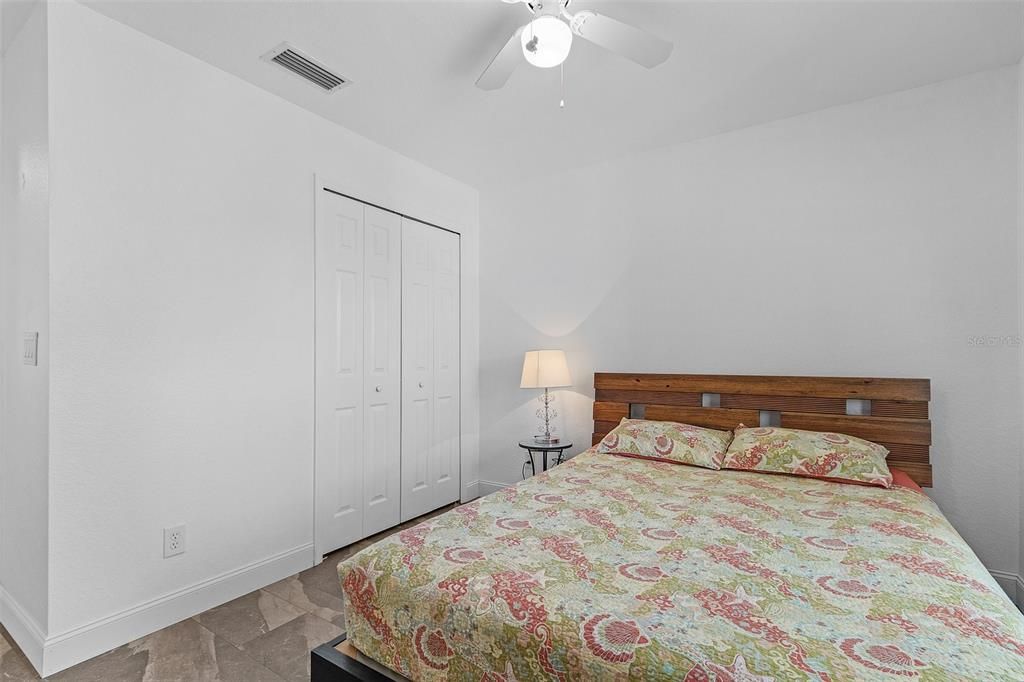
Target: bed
<point>614,568</point>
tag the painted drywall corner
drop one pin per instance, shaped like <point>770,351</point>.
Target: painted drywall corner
<point>24,308</point>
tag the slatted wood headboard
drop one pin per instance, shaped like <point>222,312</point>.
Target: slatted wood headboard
<point>896,414</point>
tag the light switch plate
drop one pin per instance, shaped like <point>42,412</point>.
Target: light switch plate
<point>30,354</point>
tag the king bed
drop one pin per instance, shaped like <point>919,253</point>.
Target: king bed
<point>612,567</point>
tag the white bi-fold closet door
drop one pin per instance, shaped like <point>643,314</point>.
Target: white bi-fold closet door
<point>358,369</point>
<point>387,369</point>
<point>430,368</point>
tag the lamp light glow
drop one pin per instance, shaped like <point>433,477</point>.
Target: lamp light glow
<point>546,41</point>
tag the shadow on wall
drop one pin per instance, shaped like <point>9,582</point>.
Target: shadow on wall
<point>508,413</point>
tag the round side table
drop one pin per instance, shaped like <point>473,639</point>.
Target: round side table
<point>532,446</point>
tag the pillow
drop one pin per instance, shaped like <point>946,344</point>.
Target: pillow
<point>667,442</point>
<point>814,454</point>
<point>901,479</point>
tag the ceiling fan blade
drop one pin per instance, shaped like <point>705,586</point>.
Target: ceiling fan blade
<point>504,63</point>
<point>628,41</point>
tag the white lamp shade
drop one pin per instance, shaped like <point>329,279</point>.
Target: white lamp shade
<point>546,41</point>
<point>545,369</point>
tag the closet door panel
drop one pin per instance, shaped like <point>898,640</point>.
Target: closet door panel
<point>430,352</point>
<point>339,370</point>
<point>417,408</point>
<point>417,368</point>
<point>382,319</point>
<point>447,430</point>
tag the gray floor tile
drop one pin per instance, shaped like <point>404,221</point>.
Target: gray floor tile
<point>329,607</point>
<point>324,576</point>
<point>294,670</point>
<point>278,649</point>
<point>234,665</point>
<point>184,651</point>
<point>14,667</point>
<point>249,616</point>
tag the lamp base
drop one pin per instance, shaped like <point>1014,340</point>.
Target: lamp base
<point>546,440</point>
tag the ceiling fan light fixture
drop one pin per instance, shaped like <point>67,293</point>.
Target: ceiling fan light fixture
<point>546,41</point>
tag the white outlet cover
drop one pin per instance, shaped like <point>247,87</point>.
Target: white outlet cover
<point>174,541</point>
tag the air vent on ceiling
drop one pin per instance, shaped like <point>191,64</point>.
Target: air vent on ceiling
<point>308,69</point>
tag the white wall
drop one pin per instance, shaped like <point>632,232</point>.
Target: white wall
<point>873,239</point>
<point>182,325</point>
<point>24,292</point>
<point>1020,283</point>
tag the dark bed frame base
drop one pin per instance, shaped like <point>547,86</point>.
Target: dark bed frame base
<point>327,664</point>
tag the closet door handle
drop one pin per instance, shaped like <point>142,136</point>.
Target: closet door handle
<point>421,384</point>
<point>379,389</point>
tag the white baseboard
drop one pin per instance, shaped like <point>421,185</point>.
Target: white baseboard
<point>23,628</point>
<point>470,491</point>
<point>488,487</point>
<point>78,644</point>
<point>1011,584</point>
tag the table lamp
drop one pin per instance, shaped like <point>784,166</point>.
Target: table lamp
<point>545,369</point>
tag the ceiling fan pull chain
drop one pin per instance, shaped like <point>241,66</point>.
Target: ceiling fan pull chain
<point>561,83</point>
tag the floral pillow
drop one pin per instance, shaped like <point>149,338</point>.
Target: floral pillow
<point>667,442</point>
<point>814,454</point>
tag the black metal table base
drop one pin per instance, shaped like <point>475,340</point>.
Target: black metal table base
<point>543,449</point>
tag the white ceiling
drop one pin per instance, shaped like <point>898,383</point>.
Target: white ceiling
<point>735,64</point>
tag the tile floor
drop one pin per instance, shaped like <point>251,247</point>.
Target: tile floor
<point>265,635</point>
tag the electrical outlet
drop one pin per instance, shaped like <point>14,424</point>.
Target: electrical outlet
<point>174,541</point>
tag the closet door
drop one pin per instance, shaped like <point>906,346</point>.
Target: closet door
<point>339,364</point>
<point>417,368</point>
<point>430,368</point>
<point>447,376</point>
<point>382,344</point>
<point>358,370</point>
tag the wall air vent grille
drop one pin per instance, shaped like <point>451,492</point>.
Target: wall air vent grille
<point>313,72</point>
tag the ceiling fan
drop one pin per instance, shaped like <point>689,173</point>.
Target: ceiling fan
<point>545,41</point>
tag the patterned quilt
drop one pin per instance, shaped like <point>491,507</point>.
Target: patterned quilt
<point>615,568</point>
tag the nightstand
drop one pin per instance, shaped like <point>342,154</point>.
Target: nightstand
<point>532,446</point>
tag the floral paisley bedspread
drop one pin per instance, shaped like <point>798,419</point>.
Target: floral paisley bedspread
<point>615,568</point>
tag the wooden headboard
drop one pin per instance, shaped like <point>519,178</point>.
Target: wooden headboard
<point>892,412</point>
